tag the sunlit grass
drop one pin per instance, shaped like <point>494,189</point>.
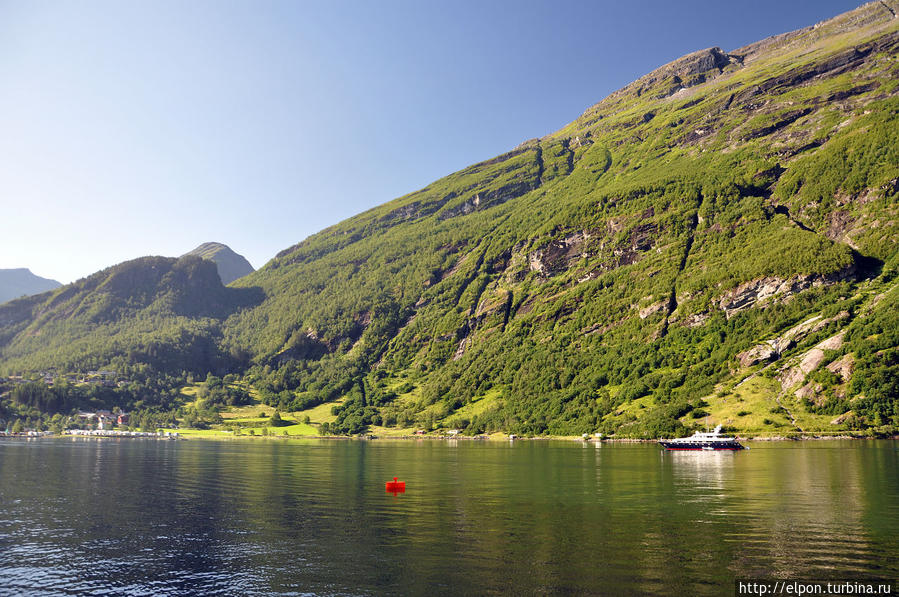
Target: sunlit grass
<point>318,414</point>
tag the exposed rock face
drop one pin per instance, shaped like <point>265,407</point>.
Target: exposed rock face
<point>231,266</point>
<point>833,343</point>
<point>771,350</point>
<point>798,333</point>
<point>688,71</point>
<point>760,353</point>
<point>754,292</point>
<point>783,121</point>
<point>697,319</point>
<point>843,418</point>
<point>810,361</point>
<point>416,210</point>
<point>558,255</point>
<point>460,350</point>
<point>302,346</point>
<point>653,308</point>
<point>791,377</point>
<point>843,366</point>
<point>496,193</point>
<point>465,208</point>
<point>809,391</point>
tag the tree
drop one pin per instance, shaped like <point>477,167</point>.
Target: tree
<point>17,427</point>
<point>57,424</point>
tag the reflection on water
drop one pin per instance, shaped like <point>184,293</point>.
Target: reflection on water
<point>702,468</point>
<point>141,517</point>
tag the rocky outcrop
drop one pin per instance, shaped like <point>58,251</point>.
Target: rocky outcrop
<point>302,345</point>
<point>810,361</point>
<point>843,366</point>
<point>520,180</point>
<point>559,255</point>
<point>653,308</point>
<point>771,350</point>
<point>460,350</point>
<point>760,353</point>
<point>416,210</point>
<point>843,418</point>
<point>757,292</point>
<point>696,319</point>
<point>687,71</point>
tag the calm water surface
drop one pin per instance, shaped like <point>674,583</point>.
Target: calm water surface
<point>148,517</point>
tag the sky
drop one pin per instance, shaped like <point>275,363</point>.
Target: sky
<point>149,127</point>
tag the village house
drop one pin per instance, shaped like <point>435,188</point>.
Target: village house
<point>105,419</point>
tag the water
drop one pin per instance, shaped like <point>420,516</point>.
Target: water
<point>147,517</point>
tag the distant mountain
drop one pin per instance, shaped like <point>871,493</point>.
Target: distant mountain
<point>19,282</point>
<point>231,266</point>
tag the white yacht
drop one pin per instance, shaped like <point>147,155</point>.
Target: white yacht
<point>703,440</point>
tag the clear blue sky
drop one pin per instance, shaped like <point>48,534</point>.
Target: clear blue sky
<point>147,127</point>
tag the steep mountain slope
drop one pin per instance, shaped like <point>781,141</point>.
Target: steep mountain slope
<point>231,266</point>
<point>19,282</point>
<point>682,249</point>
<point>630,256</point>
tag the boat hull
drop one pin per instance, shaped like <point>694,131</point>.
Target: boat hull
<point>672,446</point>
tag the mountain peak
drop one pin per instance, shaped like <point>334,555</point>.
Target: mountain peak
<point>20,281</point>
<point>231,265</point>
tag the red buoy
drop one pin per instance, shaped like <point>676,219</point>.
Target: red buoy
<point>395,486</point>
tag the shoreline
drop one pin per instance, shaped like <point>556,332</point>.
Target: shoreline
<point>175,436</point>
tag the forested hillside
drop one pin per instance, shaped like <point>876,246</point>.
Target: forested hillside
<point>156,314</point>
<point>717,239</point>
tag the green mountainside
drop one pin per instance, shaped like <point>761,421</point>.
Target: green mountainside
<point>19,282</point>
<point>715,240</point>
<point>153,314</point>
<point>231,266</point>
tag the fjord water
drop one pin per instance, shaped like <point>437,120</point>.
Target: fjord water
<point>312,517</point>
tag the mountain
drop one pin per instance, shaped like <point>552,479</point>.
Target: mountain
<point>231,266</point>
<point>157,313</point>
<point>15,283</point>
<point>717,239</point>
